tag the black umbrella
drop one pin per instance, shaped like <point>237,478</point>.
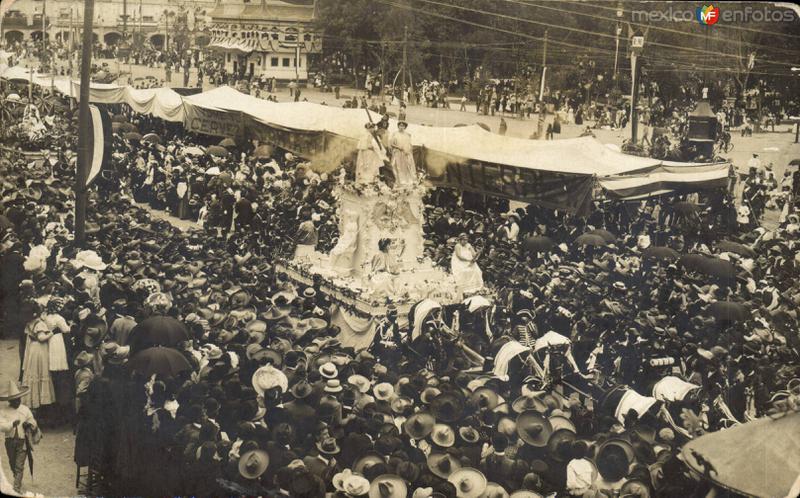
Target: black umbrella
<point>118,118</point>
<point>161,361</point>
<point>794,162</point>
<point>729,311</point>
<point>157,331</point>
<point>607,236</point>
<point>692,261</point>
<point>132,136</point>
<point>589,239</point>
<point>661,253</point>
<point>719,268</point>
<point>736,248</point>
<point>538,243</point>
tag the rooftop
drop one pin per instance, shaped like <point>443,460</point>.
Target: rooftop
<point>265,10</point>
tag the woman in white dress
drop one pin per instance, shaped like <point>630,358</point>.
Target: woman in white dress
<point>403,167</point>
<point>382,269</point>
<point>464,266</point>
<point>370,157</point>
<point>345,249</point>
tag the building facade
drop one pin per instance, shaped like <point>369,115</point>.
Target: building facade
<point>269,38</point>
<point>151,20</point>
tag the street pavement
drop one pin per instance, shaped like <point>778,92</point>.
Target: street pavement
<point>53,465</point>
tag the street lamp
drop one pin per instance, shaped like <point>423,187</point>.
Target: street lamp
<point>637,46</point>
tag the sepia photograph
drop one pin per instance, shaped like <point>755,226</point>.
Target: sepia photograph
<point>399,249</point>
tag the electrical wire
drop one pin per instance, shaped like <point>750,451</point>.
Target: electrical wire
<point>593,33</point>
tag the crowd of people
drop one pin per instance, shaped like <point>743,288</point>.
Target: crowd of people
<point>190,365</point>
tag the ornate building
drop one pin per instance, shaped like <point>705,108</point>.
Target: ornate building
<point>272,38</point>
<point>150,20</point>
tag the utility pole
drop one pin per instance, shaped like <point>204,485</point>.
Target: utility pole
<point>405,55</point>
<point>297,67</point>
<point>637,45</point>
<point>544,67</point>
<point>84,126</point>
<point>44,28</point>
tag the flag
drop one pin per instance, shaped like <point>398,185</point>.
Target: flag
<point>99,141</point>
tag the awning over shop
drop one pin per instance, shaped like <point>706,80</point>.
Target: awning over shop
<point>233,44</point>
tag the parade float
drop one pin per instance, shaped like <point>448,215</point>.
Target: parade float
<point>379,257</point>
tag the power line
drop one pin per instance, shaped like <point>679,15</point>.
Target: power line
<point>657,28</point>
<point>724,26</point>
<point>583,31</point>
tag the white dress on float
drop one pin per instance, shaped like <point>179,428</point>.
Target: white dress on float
<point>465,270</point>
<point>342,254</point>
<point>369,160</point>
<point>403,167</point>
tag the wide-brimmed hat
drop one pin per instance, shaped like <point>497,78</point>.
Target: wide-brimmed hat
<point>443,464</point>
<point>369,459</point>
<point>359,382</point>
<point>614,458</point>
<point>469,434</point>
<point>419,425</point>
<point>95,330</point>
<point>635,488</point>
<point>534,428</point>
<point>83,359</point>
<point>9,389</point>
<point>328,446</point>
<point>301,390</point>
<point>469,482</point>
<point>355,485</point>
<point>484,398</point>
<point>258,326</point>
<point>328,370</point>
<point>448,407</point>
<point>333,386</point>
<point>429,393</point>
<point>253,463</point>
<point>273,314</point>
<point>530,402</point>
<point>388,486</point>
<point>443,435</point>
<point>383,391</point>
<point>266,355</point>
<point>494,490</point>
<point>400,404</point>
<point>268,377</point>
<point>89,259</point>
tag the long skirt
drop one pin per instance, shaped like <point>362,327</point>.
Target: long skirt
<point>36,376</point>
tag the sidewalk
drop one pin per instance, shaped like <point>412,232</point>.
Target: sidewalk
<point>53,466</point>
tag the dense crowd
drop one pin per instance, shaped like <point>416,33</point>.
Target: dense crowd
<point>189,365</point>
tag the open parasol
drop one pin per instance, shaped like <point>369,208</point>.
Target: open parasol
<point>607,236</point>
<point>227,142</point>
<point>538,243</point>
<point>132,136</point>
<point>263,151</point>
<point>736,248</point>
<point>661,253</point>
<point>588,239</point>
<point>759,458</point>
<point>216,150</point>
<point>157,331</point>
<point>161,361</point>
<point>194,151</point>
<point>728,311</point>
<point>151,138</point>
<point>126,127</point>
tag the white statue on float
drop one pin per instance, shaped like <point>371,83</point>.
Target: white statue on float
<point>379,255</point>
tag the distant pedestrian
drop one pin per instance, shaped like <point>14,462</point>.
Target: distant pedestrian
<point>463,107</point>
<point>503,127</point>
<point>17,424</point>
